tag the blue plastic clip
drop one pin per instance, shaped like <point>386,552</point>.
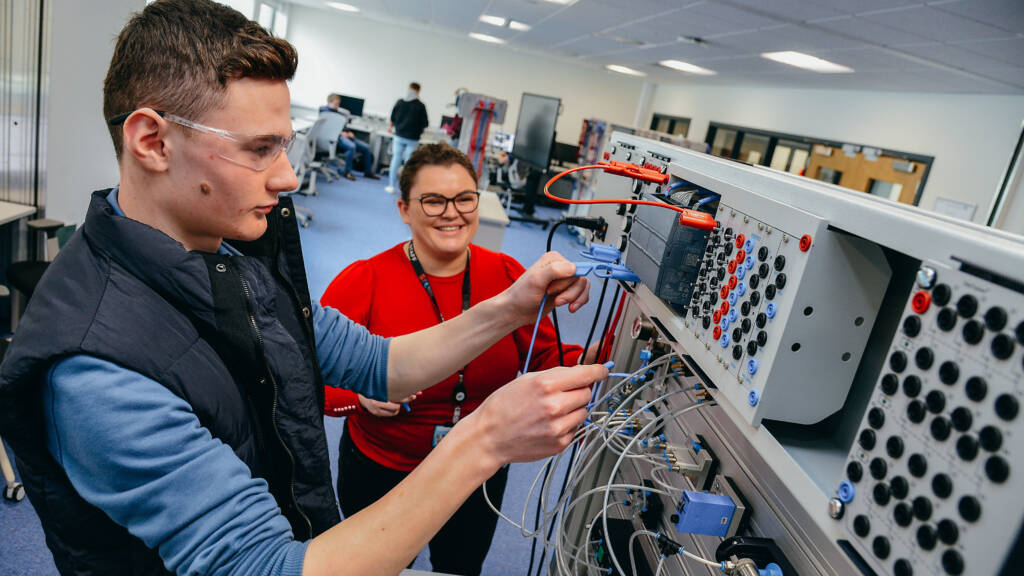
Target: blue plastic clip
<point>601,253</point>
<point>606,270</point>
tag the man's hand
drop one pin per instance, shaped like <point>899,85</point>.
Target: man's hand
<point>384,409</point>
<point>535,415</point>
<point>552,276</point>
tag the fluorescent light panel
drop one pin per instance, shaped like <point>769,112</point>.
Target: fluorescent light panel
<point>807,62</point>
<point>486,38</point>
<point>687,67</point>
<point>343,7</point>
<point>518,26</point>
<point>562,2</point>
<point>492,20</point>
<point>624,70</point>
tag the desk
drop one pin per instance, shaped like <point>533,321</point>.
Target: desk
<point>491,232</point>
<point>9,212</point>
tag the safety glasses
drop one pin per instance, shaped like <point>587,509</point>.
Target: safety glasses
<point>254,152</point>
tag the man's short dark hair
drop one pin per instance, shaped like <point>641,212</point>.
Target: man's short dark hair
<point>178,56</point>
<point>415,86</point>
<point>437,154</point>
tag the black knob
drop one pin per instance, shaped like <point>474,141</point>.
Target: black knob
<point>737,350</point>
<point>949,372</point>
<point>720,273</point>
<point>902,514</point>
<point>962,419</point>
<point>713,298</point>
<point>780,281</point>
<point>674,518</point>
<point>916,411</point>
<point>1007,407</point>
<point>894,447</point>
<point>967,448</point>
<point>902,567</point>
<point>926,537</point>
<point>745,325</point>
<point>922,508</point>
<point>755,298</point>
<point>878,468</point>
<point>946,319</point>
<point>751,348</point>
<point>912,386</point>
<point>1002,346</point>
<point>720,258</point>
<point>762,253</point>
<point>728,249</point>
<point>969,508</point>
<point>973,332</point>
<point>976,388</point>
<point>762,338</point>
<point>942,294</point>
<point>918,465</point>
<point>936,401</point>
<point>942,485</point>
<point>899,487</point>
<point>941,429</point>
<point>995,319</point>
<point>952,562</point>
<point>761,320</point>
<point>967,306</point>
<point>890,384</point>
<point>861,526</point>
<point>763,270</point>
<point>990,438</point>
<point>880,546</point>
<point>769,292</point>
<point>1020,333</point>
<point>948,532</point>
<point>728,233</point>
<point>881,494</point>
<point>912,326</point>
<point>854,471</point>
<point>898,361</point>
<point>780,262</point>
<point>737,333</point>
<point>745,307</point>
<point>997,469</point>
<point>924,358</point>
<point>706,322</point>
<point>754,281</point>
<point>867,439</point>
<point>714,283</point>
<point>876,418</point>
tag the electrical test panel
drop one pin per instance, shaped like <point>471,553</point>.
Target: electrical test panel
<point>838,392</point>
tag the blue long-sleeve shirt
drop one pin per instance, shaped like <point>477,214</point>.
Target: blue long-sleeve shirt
<point>138,452</point>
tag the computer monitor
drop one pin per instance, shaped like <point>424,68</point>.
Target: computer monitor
<point>535,130</point>
<point>565,153</point>
<point>352,104</point>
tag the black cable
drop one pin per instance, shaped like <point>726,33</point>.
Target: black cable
<point>558,332</point>
<point>608,321</point>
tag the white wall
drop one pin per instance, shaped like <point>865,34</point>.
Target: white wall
<point>971,137</point>
<point>80,156</point>
<point>353,55</point>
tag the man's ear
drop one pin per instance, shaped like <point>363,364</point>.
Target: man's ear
<point>145,139</point>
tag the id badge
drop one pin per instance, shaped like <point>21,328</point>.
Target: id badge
<point>439,433</point>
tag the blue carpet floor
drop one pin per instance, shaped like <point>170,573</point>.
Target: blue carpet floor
<point>352,221</point>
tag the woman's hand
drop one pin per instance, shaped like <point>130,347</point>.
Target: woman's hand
<point>384,409</point>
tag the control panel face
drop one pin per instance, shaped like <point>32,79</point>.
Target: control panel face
<point>935,477</point>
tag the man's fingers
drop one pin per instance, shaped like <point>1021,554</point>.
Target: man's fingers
<point>580,376</point>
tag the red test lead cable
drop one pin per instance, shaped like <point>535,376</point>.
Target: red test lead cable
<point>687,217</point>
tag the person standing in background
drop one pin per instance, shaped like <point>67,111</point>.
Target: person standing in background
<point>409,119</point>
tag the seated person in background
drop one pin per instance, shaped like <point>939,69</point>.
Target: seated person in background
<point>413,286</point>
<point>348,143</point>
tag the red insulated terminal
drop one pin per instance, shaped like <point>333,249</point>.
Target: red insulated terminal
<point>724,308</point>
<point>633,171</point>
<point>724,292</point>
<point>697,219</point>
<point>805,242</point>
<point>740,240</point>
<point>732,266</point>
<point>717,333</point>
<point>921,301</point>
<point>717,316</point>
<point>607,156</point>
<point>732,282</point>
<point>741,255</point>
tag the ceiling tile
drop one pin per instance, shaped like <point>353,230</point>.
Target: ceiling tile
<point>460,15</point>
<point>1004,14</point>
<point>736,18</point>
<point>413,10</point>
<point>947,55</point>
<point>935,24</point>
<point>870,31</point>
<point>791,10</point>
<point>864,6</point>
<point>1007,50</point>
<point>593,45</point>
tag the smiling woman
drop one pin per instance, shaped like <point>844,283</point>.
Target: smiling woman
<point>434,277</point>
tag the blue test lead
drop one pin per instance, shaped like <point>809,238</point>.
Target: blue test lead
<point>609,365</point>
<point>405,406</point>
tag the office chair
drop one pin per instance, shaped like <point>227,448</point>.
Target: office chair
<point>13,490</point>
<point>301,158</point>
<point>327,144</point>
<point>23,276</point>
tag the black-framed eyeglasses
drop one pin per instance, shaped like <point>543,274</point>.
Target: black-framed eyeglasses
<point>436,204</point>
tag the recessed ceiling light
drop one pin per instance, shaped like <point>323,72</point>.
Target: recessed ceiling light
<point>687,67</point>
<point>520,26</point>
<point>562,2</point>
<point>486,38</point>
<point>343,7</point>
<point>807,62</point>
<point>624,70</point>
<point>492,20</point>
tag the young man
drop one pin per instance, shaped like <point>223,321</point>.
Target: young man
<point>409,119</point>
<point>163,392</point>
<point>348,142</point>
